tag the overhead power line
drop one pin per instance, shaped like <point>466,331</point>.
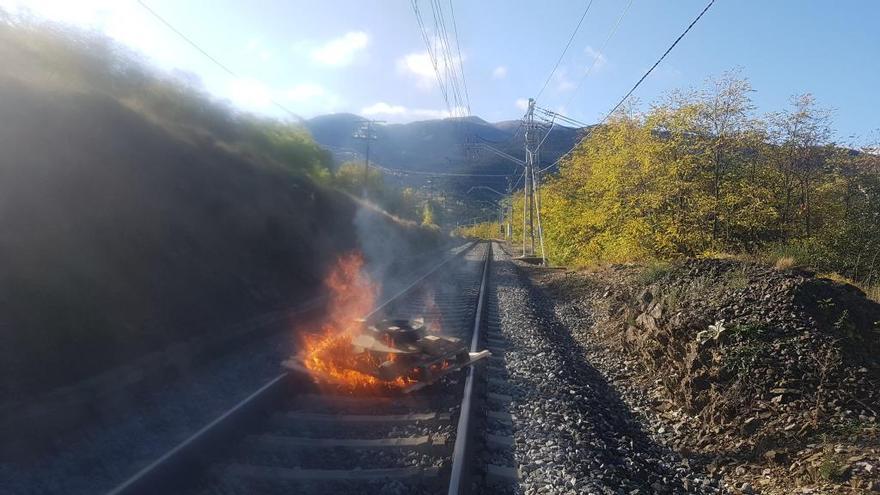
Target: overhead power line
<point>430,49</point>
<point>395,171</point>
<point>557,115</point>
<point>448,67</point>
<point>600,53</point>
<point>631,91</point>
<point>658,60</point>
<point>564,50</point>
<point>467,96</point>
<point>208,55</point>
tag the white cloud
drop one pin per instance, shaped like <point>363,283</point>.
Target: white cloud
<point>256,47</point>
<point>250,93</point>
<point>341,51</point>
<point>420,66</point>
<point>305,91</point>
<point>305,98</point>
<point>499,72</point>
<point>439,114</point>
<point>563,83</point>
<point>598,57</point>
<point>310,98</point>
<point>382,108</point>
<point>522,103</point>
<point>402,113</point>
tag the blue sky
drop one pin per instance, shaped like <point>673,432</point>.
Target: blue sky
<point>368,57</point>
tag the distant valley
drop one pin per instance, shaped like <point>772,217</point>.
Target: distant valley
<point>443,146</point>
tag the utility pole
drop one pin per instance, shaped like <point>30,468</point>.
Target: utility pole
<point>366,133</point>
<point>531,137</point>
<point>509,208</point>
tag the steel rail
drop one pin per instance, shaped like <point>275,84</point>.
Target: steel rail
<point>406,290</point>
<point>462,450</point>
<point>177,465</point>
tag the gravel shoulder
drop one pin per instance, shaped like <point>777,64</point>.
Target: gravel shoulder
<point>573,430</point>
<point>775,398</point>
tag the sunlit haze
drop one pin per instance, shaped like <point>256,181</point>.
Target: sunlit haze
<point>369,58</point>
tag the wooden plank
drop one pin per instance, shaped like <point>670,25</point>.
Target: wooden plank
<point>330,401</point>
<point>304,417</point>
<point>265,473</point>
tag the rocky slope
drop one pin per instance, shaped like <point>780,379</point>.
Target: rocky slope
<point>766,377</point>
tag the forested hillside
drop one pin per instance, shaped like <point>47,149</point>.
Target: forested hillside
<point>441,146</point>
<point>699,173</point>
<point>136,212</point>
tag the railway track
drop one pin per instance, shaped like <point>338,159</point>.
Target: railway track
<point>290,436</point>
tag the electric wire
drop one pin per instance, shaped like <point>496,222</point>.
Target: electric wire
<point>631,91</point>
<point>460,59</point>
<point>659,60</point>
<point>443,48</point>
<point>567,45</point>
<point>430,49</point>
<point>599,53</point>
<point>207,55</point>
<point>395,171</point>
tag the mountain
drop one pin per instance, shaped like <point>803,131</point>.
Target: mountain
<point>444,146</point>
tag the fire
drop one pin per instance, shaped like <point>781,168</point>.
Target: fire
<point>329,354</point>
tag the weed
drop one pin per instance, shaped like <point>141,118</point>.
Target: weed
<point>851,427</point>
<point>653,272</point>
<point>737,279</point>
<point>742,359</point>
<point>672,297</point>
<point>832,468</point>
<point>843,322</point>
<point>749,331</point>
<point>826,304</point>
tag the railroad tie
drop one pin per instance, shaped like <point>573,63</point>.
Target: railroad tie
<point>273,442</point>
<point>499,442</point>
<point>297,417</point>
<point>500,416</point>
<point>501,474</point>
<point>265,473</point>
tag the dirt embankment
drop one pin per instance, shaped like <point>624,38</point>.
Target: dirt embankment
<point>120,236</point>
<point>769,377</point>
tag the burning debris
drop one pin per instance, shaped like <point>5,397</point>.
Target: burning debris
<point>389,354</point>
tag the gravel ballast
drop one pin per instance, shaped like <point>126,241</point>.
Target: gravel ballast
<point>573,433</point>
<point>99,456</point>
<point>777,396</point>
<point>96,458</point>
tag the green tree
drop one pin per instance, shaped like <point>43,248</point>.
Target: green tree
<point>351,177</point>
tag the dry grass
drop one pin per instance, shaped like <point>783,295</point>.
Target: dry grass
<point>872,291</point>
<point>785,263</point>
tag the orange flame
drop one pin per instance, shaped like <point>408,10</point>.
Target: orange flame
<point>329,354</point>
